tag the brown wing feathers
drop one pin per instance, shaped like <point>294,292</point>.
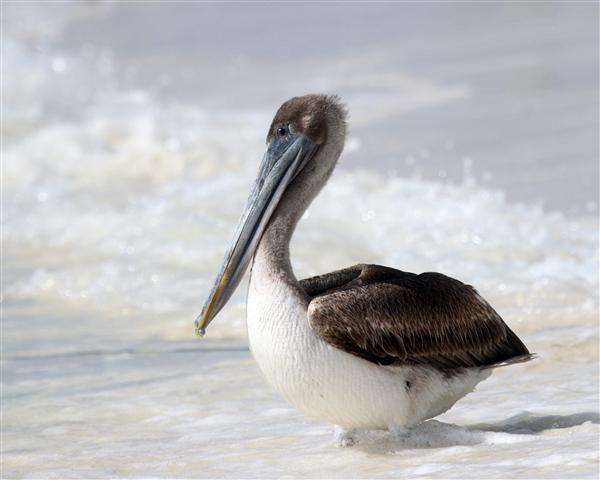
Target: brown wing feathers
<point>324,283</point>
<point>392,317</point>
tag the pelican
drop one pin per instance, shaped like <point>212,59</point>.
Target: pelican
<point>365,347</point>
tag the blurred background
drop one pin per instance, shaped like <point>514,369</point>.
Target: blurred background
<point>131,132</point>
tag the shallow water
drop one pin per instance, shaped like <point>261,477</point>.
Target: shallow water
<point>118,205</point>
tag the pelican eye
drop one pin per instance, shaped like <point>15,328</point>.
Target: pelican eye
<point>282,131</point>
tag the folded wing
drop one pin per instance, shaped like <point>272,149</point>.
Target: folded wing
<point>392,317</point>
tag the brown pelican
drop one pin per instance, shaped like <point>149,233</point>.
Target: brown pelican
<point>366,347</point>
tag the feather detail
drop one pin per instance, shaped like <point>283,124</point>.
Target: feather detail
<point>391,317</point>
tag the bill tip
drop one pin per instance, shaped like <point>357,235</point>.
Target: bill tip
<point>200,331</point>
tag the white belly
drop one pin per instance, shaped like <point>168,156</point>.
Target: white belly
<point>329,384</point>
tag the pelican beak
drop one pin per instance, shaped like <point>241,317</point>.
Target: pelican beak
<point>285,157</point>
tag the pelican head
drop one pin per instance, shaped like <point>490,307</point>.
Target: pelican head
<point>304,143</point>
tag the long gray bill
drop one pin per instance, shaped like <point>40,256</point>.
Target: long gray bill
<point>284,158</point>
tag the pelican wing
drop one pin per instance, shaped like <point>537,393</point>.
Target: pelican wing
<point>392,317</point>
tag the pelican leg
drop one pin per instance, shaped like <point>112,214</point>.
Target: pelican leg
<point>343,437</point>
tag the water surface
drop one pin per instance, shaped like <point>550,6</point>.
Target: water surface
<point>131,134</point>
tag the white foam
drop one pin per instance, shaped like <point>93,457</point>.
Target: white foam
<point>117,212</point>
